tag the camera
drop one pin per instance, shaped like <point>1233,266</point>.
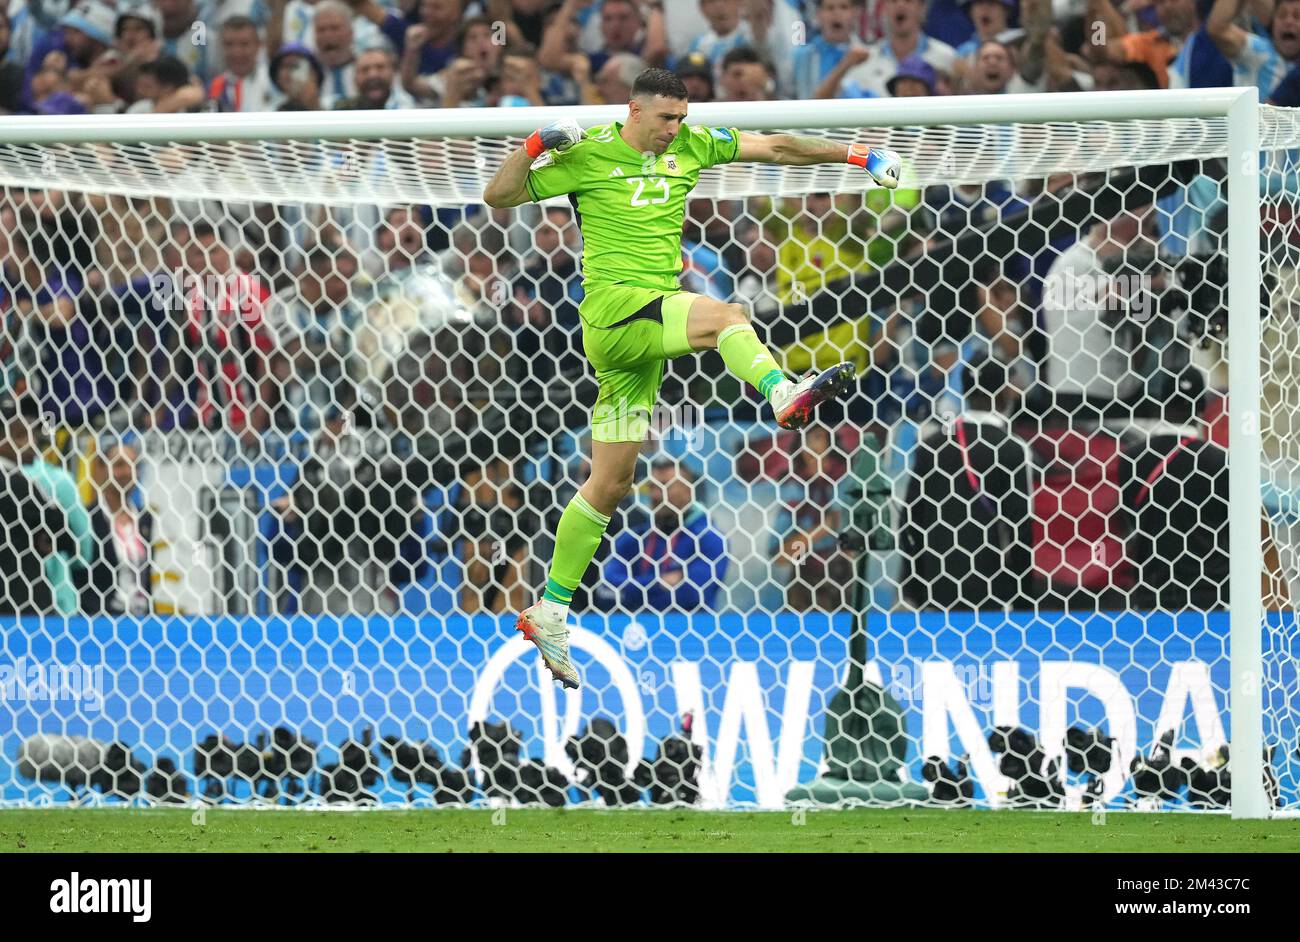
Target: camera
<point>1196,297</point>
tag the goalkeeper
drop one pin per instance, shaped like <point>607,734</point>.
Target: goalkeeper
<point>628,183</point>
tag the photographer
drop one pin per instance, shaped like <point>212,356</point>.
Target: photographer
<point>1093,322</point>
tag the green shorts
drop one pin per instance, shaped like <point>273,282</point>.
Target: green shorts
<point>646,326</point>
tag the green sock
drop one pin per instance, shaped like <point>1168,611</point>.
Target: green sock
<point>576,539</point>
<point>749,359</point>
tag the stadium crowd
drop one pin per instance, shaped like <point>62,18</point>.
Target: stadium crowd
<point>431,322</point>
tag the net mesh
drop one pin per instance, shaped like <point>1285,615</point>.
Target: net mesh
<point>290,426</point>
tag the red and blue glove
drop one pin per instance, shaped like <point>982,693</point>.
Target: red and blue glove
<point>560,135</point>
<point>885,166</point>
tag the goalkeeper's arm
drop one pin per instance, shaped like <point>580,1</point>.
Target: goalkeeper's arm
<point>507,187</point>
<point>793,150</point>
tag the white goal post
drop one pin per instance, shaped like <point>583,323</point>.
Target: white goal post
<point>441,159</point>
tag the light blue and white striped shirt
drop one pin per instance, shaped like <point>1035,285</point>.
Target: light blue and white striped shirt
<point>815,60</point>
<point>1259,64</point>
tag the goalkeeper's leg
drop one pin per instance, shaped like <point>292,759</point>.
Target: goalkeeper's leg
<point>645,329</point>
<point>583,523</point>
<point>725,327</point>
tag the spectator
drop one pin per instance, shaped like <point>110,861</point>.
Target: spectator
<point>65,346</point>
<point>181,38</point>
<point>85,32</point>
<point>817,573</point>
<point>1004,324</point>
<point>376,81</point>
<point>991,71</point>
<point>245,85</point>
<point>122,576</point>
<point>814,61</point>
<point>1172,51</point>
<point>11,72</point>
<point>467,76</point>
<point>291,21</point>
<point>51,93</point>
<point>863,73</point>
<point>490,529</point>
<point>915,78</point>
<point>614,79</point>
<point>314,322</point>
<point>332,39</point>
<point>1041,62</point>
<point>221,376</point>
<point>520,85</point>
<point>746,76</point>
<point>675,559</point>
<point>622,27</point>
<point>819,249</point>
<point>1257,60</point>
<point>525,20</point>
<point>966,531</point>
<point>30,23</point>
<point>1124,76</point>
<point>756,270</point>
<point>431,35</point>
<point>413,299</point>
<point>728,30</point>
<point>164,87</point>
<point>768,26</point>
<point>697,74</point>
<point>138,31</point>
<point>298,76</point>
<point>547,292</point>
<point>138,38</point>
<point>990,18</point>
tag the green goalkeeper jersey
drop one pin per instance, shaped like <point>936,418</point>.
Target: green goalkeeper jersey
<point>630,206</point>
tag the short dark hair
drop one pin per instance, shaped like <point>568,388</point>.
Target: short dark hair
<point>1142,73</point>
<point>654,82</point>
<point>468,25</point>
<point>169,71</point>
<point>200,229</point>
<point>745,55</point>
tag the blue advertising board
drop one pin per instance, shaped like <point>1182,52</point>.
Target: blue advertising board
<point>756,687</point>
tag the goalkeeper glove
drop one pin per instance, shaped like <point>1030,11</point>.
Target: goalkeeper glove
<point>560,135</point>
<point>883,165</point>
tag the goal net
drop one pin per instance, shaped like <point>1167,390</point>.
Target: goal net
<point>290,417</point>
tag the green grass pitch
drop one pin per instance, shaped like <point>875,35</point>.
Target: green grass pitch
<point>458,830</point>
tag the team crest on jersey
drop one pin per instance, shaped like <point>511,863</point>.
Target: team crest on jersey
<point>670,162</point>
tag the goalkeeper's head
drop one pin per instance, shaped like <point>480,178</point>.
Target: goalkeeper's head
<point>656,110</point>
